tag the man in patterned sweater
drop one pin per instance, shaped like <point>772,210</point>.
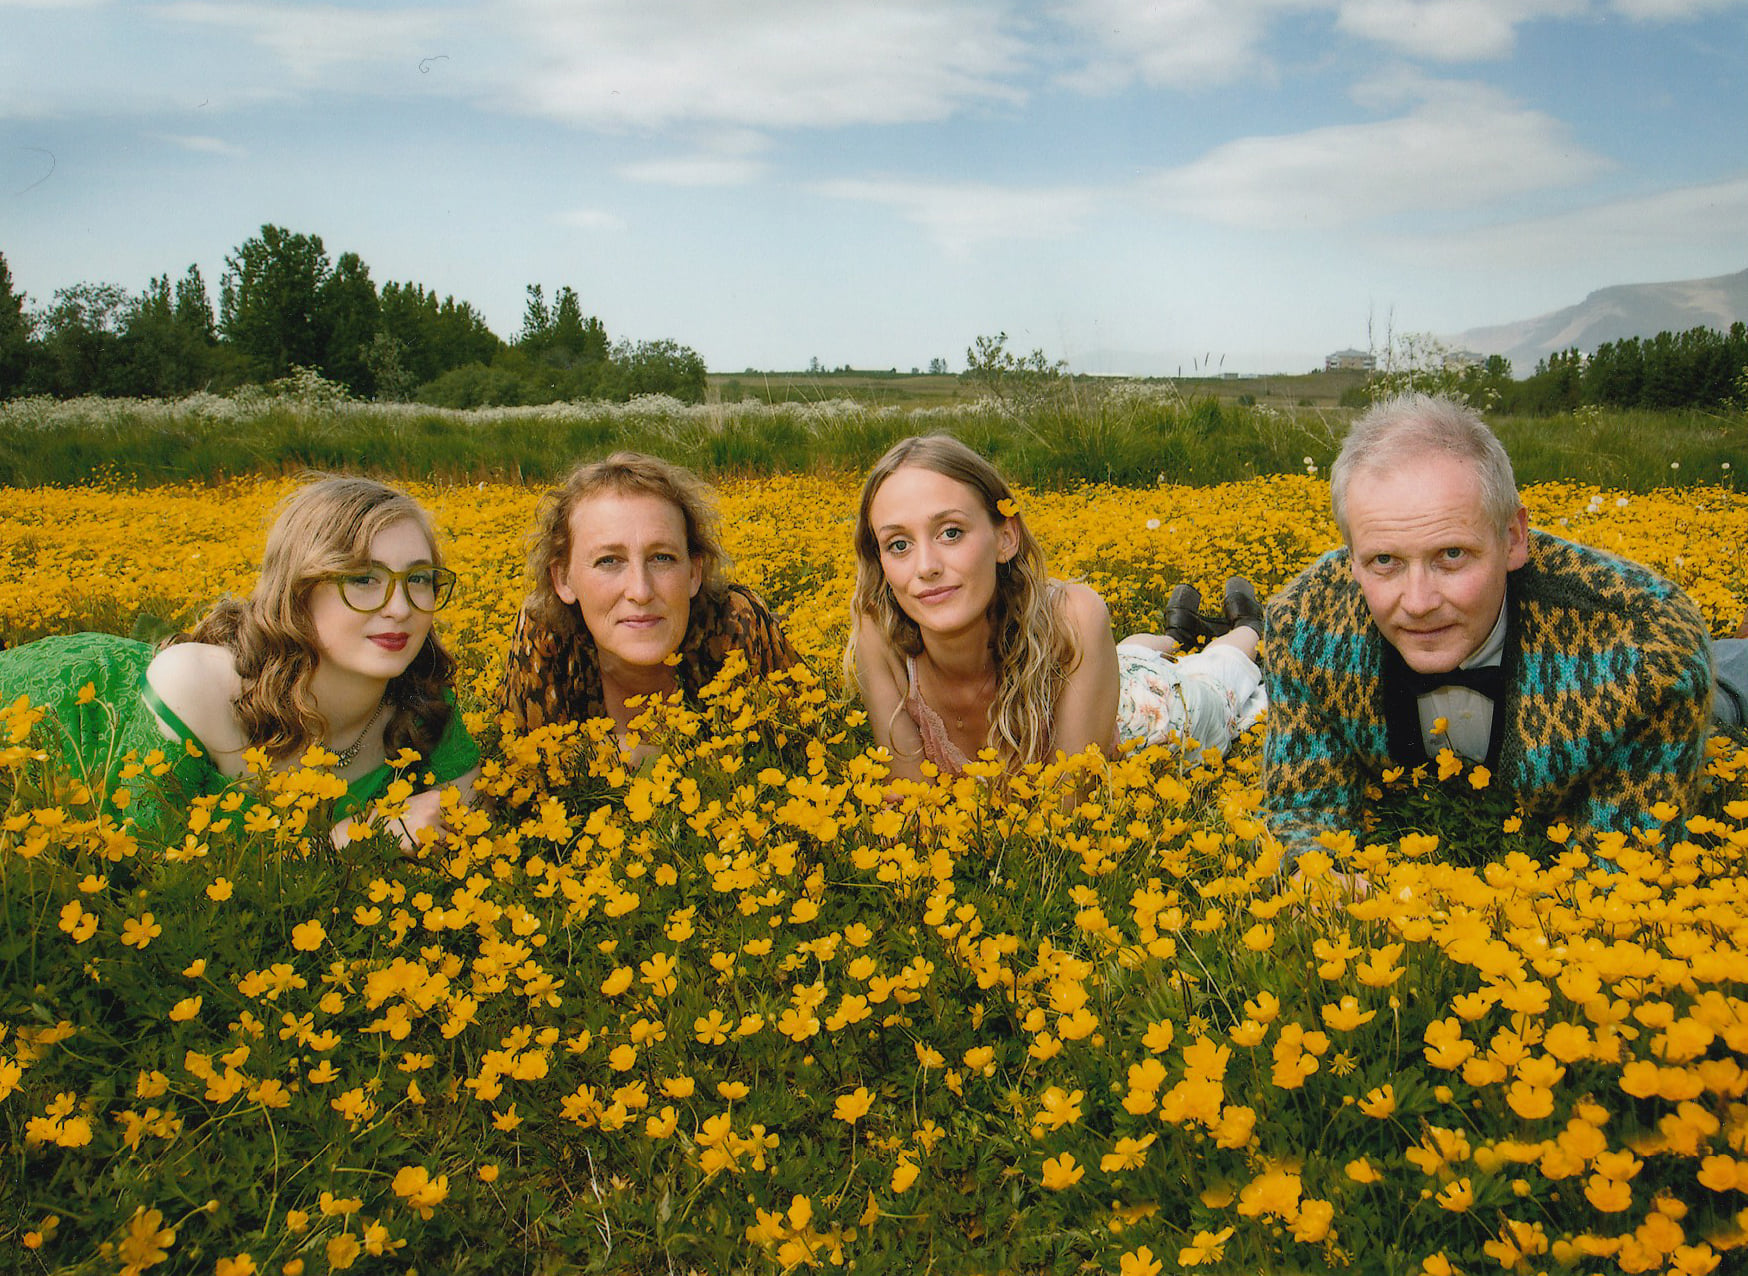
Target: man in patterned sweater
<point>1584,683</point>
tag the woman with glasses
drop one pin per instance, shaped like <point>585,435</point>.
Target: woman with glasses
<point>333,649</point>
<point>630,598</point>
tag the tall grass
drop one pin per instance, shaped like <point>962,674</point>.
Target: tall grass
<point>1123,433</point>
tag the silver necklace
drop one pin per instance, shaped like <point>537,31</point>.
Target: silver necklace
<point>345,756</point>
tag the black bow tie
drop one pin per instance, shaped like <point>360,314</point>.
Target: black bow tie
<point>1489,680</point>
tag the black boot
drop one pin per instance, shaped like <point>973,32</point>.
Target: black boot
<point>1183,615</point>
<point>1241,606</point>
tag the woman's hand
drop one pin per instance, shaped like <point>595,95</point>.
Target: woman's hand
<point>409,819</point>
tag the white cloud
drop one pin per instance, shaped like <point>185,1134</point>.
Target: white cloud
<point>1171,43</point>
<point>725,157</point>
<point>1449,30</point>
<point>761,63</point>
<point>1673,10</point>
<point>695,170</point>
<point>1190,44</point>
<point>310,39</point>
<point>1671,233</point>
<point>1463,146</point>
<point>590,219</point>
<point>960,216</point>
<point>204,145</point>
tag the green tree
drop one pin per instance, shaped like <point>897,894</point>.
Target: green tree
<point>78,350</point>
<point>561,353</point>
<point>536,321</point>
<point>435,336</point>
<point>579,339</point>
<point>270,302</point>
<point>1615,374</point>
<point>1486,384</point>
<point>385,356</point>
<point>1008,377</point>
<point>194,306</point>
<point>654,367</point>
<point>561,334</point>
<point>1555,386</point>
<point>167,342</point>
<point>351,316</point>
<point>14,335</point>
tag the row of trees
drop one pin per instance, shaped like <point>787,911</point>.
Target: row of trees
<point>1699,368</point>
<point>283,304</point>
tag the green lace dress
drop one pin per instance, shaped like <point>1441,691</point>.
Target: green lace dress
<point>125,720</point>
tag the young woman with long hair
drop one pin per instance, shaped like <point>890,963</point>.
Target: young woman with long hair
<point>333,647</point>
<point>960,640</point>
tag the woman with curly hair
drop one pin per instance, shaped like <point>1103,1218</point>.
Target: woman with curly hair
<point>960,640</point>
<point>332,648</point>
<point>630,598</point>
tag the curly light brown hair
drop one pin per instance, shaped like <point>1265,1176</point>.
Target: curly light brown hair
<point>623,473</point>
<point>324,527</point>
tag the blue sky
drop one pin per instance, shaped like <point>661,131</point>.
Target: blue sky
<point>1133,185</point>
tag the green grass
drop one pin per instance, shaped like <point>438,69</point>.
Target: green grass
<point>1076,430</point>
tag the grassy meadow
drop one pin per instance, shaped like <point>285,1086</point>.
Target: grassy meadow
<point>750,1009</point>
<point>1082,430</point>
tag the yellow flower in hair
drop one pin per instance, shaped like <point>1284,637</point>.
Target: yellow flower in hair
<point>1007,506</point>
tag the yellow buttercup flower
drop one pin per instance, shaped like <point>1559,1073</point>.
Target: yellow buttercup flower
<point>1061,1172</point>
<point>137,932</point>
<point>1139,1262</point>
<point>851,1108</point>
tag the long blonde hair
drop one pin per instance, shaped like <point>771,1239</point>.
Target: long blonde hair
<point>1030,640</point>
<point>326,526</point>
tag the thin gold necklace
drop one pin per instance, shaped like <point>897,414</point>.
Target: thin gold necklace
<point>989,678</point>
<point>344,758</point>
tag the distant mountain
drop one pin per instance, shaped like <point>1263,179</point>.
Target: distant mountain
<point>1614,314</point>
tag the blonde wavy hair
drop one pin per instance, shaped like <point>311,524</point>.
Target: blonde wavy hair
<point>623,473</point>
<point>1031,642</point>
<point>324,527</point>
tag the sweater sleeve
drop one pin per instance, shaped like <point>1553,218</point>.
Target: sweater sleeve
<point>1311,776</point>
<point>1655,749</point>
<point>1618,691</point>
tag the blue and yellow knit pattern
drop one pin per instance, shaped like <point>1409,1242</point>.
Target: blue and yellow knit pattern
<point>1606,711</point>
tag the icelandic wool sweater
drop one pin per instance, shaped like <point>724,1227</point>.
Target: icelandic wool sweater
<point>1608,686</point>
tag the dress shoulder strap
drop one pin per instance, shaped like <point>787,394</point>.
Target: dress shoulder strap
<point>938,746</point>
<point>166,716</point>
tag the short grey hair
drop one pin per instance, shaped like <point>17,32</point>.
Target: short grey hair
<point>1414,425</point>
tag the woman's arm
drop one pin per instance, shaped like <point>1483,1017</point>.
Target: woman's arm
<point>1086,711</point>
<point>423,810</point>
<point>880,678</point>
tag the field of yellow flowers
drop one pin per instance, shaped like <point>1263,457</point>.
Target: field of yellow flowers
<point>742,1010</point>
